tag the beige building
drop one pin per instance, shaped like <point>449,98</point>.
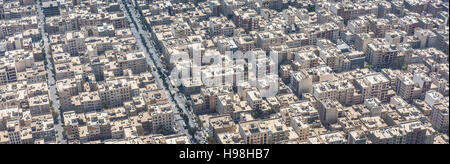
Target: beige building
<point>162,116</point>
<point>307,59</point>
<point>374,105</point>
<point>87,101</point>
<point>263,132</point>
<point>408,133</point>
<point>301,83</point>
<point>329,138</point>
<point>439,118</point>
<point>98,126</point>
<point>265,40</point>
<point>74,42</point>
<point>221,26</point>
<point>39,105</point>
<point>254,100</point>
<point>134,61</point>
<point>114,93</point>
<point>17,134</point>
<point>329,111</point>
<point>342,91</point>
<point>222,124</point>
<point>302,129</point>
<point>8,72</point>
<point>254,132</point>
<point>198,103</point>
<point>407,89</point>
<point>373,86</point>
<point>68,88</point>
<point>224,104</point>
<point>210,97</point>
<point>380,53</point>
<point>245,43</point>
<point>333,58</point>
<point>71,124</point>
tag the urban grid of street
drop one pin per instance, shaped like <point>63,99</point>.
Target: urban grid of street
<point>175,72</point>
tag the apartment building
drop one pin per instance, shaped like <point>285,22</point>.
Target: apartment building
<point>361,41</point>
<point>114,93</point>
<point>301,83</point>
<point>349,11</point>
<point>329,31</point>
<point>224,104</point>
<point>136,62</point>
<point>263,132</point>
<point>8,72</point>
<point>254,100</point>
<point>358,26</point>
<point>74,43</point>
<point>51,8</point>
<point>87,101</point>
<point>222,124</point>
<point>357,137</point>
<point>439,118</point>
<point>98,126</point>
<point>379,26</point>
<point>39,105</point>
<point>68,88</point>
<point>380,53</point>
<point>374,86</point>
<point>249,20</point>
<point>424,83</point>
<point>71,124</point>
<point>329,138</point>
<point>265,40</point>
<point>329,111</point>
<point>254,132</point>
<point>408,133</point>
<point>307,59</point>
<point>333,58</point>
<point>407,89</point>
<point>374,105</point>
<point>342,91</point>
<point>245,43</point>
<point>221,26</point>
<point>162,116</point>
<point>302,129</point>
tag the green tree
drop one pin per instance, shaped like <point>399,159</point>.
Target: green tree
<point>192,131</point>
<point>164,131</point>
<point>198,121</point>
<point>404,67</point>
<point>64,133</point>
<point>187,104</point>
<point>272,111</point>
<point>257,113</point>
<point>210,140</point>
<point>79,111</point>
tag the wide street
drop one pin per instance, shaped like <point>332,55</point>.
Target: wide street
<point>50,77</point>
<point>178,98</point>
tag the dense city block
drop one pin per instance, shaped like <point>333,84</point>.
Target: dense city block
<point>224,71</point>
